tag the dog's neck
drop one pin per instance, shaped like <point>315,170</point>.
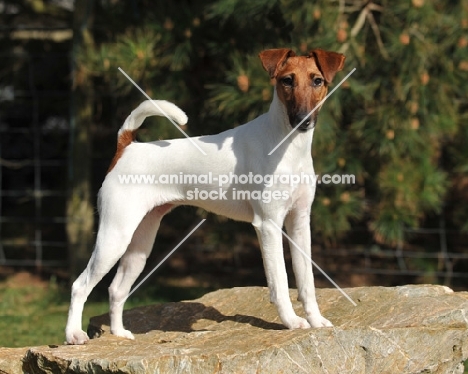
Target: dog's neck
<point>278,116</point>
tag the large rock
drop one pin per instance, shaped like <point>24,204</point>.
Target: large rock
<point>409,329</point>
<point>11,360</point>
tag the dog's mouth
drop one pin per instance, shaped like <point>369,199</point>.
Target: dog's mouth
<point>304,126</point>
<point>304,129</point>
<point>306,122</point>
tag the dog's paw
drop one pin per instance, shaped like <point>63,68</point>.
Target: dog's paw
<point>297,323</point>
<point>317,322</point>
<point>122,333</point>
<point>76,337</point>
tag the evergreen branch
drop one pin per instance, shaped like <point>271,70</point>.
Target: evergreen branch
<point>376,31</point>
<point>341,8</point>
<point>356,28</point>
<point>366,12</point>
<point>354,5</point>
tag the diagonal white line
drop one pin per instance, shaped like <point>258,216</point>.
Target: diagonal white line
<point>162,261</point>
<point>160,109</point>
<point>312,111</point>
<point>313,262</point>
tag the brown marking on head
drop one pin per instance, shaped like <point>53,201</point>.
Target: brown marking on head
<point>301,81</point>
<point>274,59</point>
<point>126,138</point>
<point>328,62</point>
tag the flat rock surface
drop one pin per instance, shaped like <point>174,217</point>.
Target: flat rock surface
<point>11,360</point>
<point>408,329</point>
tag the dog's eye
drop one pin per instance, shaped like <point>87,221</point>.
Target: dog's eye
<point>287,81</point>
<point>318,82</point>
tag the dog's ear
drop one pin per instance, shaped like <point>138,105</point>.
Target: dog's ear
<point>273,59</point>
<point>329,63</point>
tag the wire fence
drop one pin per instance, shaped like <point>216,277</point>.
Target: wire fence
<point>32,120</point>
<point>34,138</point>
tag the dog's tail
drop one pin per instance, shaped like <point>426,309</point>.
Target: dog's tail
<point>153,108</point>
<point>127,132</point>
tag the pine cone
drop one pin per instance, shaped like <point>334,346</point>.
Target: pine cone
<point>243,82</point>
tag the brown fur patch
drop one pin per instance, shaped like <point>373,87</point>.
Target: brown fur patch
<point>328,62</point>
<point>125,139</point>
<point>272,59</point>
<point>303,96</point>
<point>296,78</point>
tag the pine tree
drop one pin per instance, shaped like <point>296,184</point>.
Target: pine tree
<point>398,120</point>
<point>397,123</point>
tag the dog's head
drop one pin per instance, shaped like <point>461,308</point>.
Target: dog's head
<point>301,81</point>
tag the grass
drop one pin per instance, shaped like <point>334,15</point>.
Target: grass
<point>36,314</point>
<point>32,316</point>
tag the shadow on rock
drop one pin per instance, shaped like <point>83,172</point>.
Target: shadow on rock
<point>180,317</point>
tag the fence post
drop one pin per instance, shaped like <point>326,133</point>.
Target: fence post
<point>80,209</point>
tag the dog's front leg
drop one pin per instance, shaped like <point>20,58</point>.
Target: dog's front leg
<point>270,239</point>
<point>297,224</point>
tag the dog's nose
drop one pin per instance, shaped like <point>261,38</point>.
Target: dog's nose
<point>304,119</point>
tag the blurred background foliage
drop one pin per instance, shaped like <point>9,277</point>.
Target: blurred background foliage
<point>398,123</point>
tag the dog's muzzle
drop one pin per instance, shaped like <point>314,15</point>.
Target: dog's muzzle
<point>306,121</point>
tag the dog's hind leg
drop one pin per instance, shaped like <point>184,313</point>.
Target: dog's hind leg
<point>112,241</point>
<point>131,265</point>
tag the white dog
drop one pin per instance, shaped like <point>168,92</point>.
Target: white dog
<point>130,214</point>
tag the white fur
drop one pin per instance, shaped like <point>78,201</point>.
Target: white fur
<point>153,108</point>
<point>130,217</point>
